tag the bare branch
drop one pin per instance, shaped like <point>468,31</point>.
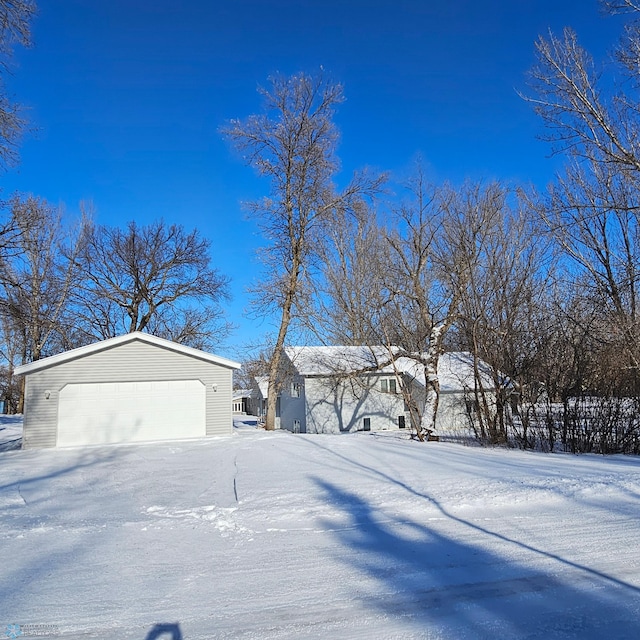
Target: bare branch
<point>145,278</point>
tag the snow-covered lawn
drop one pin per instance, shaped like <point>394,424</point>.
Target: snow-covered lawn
<point>275,535</point>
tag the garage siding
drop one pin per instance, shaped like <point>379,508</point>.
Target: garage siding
<point>134,361</point>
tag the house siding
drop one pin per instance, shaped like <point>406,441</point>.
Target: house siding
<point>291,407</point>
<point>452,413</point>
<point>333,406</point>
<point>134,361</point>
<point>457,416</point>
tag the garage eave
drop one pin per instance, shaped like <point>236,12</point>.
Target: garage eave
<point>81,352</point>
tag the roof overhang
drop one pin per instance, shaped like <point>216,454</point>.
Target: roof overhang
<point>103,345</point>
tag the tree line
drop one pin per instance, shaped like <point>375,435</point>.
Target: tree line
<point>540,285</point>
<point>64,286</point>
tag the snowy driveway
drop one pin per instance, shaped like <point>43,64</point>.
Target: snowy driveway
<point>296,536</point>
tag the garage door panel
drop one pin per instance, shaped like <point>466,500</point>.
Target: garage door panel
<point>102,413</point>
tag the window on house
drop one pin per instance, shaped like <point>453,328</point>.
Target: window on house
<point>388,386</point>
<point>296,426</point>
<point>401,422</point>
<point>295,389</point>
<point>366,424</point>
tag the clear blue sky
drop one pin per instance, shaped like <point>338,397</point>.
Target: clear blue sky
<point>126,99</point>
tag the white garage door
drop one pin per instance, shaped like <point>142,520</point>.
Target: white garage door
<point>103,413</point>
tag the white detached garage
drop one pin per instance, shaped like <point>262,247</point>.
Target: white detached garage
<point>132,388</point>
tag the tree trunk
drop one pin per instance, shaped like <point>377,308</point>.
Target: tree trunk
<point>432,383</point>
<point>276,359</point>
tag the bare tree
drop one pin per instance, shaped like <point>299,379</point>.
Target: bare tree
<point>201,327</point>
<point>37,277</point>
<point>155,278</point>
<point>435,246</point>
<point>592,209</point>
<point>621,6</point>
<point>293,144</point>
<point>401,286</point>
<point>506,289</point>
<point>349,296</point>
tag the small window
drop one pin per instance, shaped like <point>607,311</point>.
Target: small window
<point>401,422</point>
<point>366,425</point>
<point>296,426</point>
<point>388,386</point>
<point>295,389</point>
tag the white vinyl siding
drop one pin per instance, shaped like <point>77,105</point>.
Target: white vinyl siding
<point>334,406</point>
<point>135,361</point>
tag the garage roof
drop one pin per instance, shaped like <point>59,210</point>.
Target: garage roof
<point>119,340</point>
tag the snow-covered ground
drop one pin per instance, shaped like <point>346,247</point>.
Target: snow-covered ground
<point>275,535</point>
<point>10,433</point>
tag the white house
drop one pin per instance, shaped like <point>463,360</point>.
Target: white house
<point>346,389</point>
<point>242,402</point>
<point>257,405</point>
<point>132,388</point>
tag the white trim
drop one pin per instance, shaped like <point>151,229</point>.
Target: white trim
<point>119,340</point>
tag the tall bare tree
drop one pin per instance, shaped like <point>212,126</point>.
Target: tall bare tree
<point>592,209</point>
<point>37,277</point>
<point>155,278</point>
<point>349,296</point>
<point>293,144</point>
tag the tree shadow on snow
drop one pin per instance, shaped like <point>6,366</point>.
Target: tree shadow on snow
<point>507,470</point>
<point>449,588</point>
<point>165,632</point>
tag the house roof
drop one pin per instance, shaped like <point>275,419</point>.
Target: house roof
<point>455,369</point>
<point>262,383</point>
<point>314,361</point>
<point>96,347</point>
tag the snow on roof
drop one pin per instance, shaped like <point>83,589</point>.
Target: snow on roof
<point>313,361</point>
<point>455,369</point>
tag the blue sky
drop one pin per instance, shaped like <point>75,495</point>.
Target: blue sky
<point>126,99</point>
